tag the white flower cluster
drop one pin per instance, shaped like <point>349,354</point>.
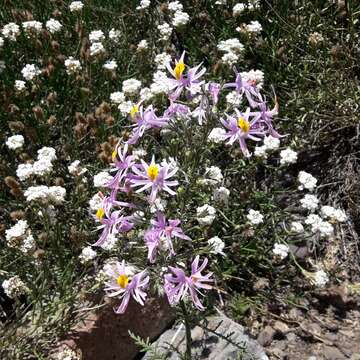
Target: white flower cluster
<point>233,48</point>
<point>180,18</point>
<point>288,156</point>
<point>143,5</point>
<point>161,60</point>
<point>11,31</point>
<point>255,77</point>
<point>307,181</point>
<point>280,250</point>
<point>165,31</point>
<point>270,143</point>
<point>114,35</point>
<point>216,135</point>
<point>87,254</point>
<point>68,354</point>
<point>296,227</point>
<point>75,169</point>
<point>255,217</point>
<point>76,6</point>
<point>212,176</point>
<point>95,202</point>
<point>143,45</point>
<point>131,86</point>
<point>110,65</point>
<point>96,49</point>
<point>238,9</point>
<point>315,38</point>
<point>252,29</point>
<point>96,36</point>
<point>53,26</point>
<point>318,225</point>
<point>14,287</point>
<point>41,167</point>
<point>45,194</point>
<point>205,214</point>
<point>309,202</point>
<point>335,215</point>
<point>19,236</point>
<point>221,195</point>
<point>20,85</point>
<point>32,27</point>
<point>319,278</point>
<point>15,142</point>
<point>72,65</point>
<point>102,178</point>
<point>30,71</point>
<point>217,246</point>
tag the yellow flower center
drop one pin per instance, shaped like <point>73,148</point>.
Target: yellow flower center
<point>122,280</point>
<point>113,155</point>
<point>153,171</point>
<point>179,69</point>
<point>194,278</point>
<point>244,125</point>
<point>100,213</point>
<point>134,110</point>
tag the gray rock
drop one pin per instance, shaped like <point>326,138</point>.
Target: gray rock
<point>210,343</point>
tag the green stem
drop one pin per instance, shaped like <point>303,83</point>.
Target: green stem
<point>187,330</point>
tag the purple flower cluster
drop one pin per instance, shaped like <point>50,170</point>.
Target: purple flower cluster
<point>119,212</point>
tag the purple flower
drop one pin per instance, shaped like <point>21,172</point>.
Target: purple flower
<point>214,90</point>
<point>123,163</point>
<point>144,120</point>
<point>245,87</point>
<point>112,223</point>
<point>153,176</point>
<point>177,109</point>
<point>241,128</point>
<point>177,284</point>
<point>123,283</point>
<point>161,235</point>
<point>191,82</point>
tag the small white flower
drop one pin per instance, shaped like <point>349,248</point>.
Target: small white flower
<point>325,228</point>
<point>42,167</point>
<point>230,58</point>
<point>254,27</point>
<point>95,203</point>
<point>125,107</point>
<point>217,245</point>
<point>32,26</point>
<point>255,217</point>
<point>72,65</point>
<point>271,143</point>
<point>296,227</point>
<point>205,214</point>
<point>146,94</point>
<point>142,45</point>
<point>139,154</point>
<point>233,98</point>
<point>315,38</point>
<point>11,31</point>
<point>101,179</point>
<point>47,153</point>
<point>309,202</point>
<point>131,86</point>
<point>67,354</point>
<point>158,205</point>
<point>15,142</point>
<point>280,250</point>
<point>20,85</point>
<point>24,171</point>
<point>260,151</point>
<point>307,181</point>
<point>110,65</point>
<point>97,48</point>
<point>161,60</point>
<point>1,42</point>
<point>96,36</point>
<point>165,31</point>
<point>238,9</point>
<point>87,254</point>
<point>75,169</point>
<point>175,6</point>
<point>231,45</point>
<point>16,231</point>
<point>221,195</point>
<point>30,71</point>
<point>114,35</point>
<point>56,194</point>
<point>14,287</point>
<point>217,135</point>
<point>319,278</point>
<point>117,97</point>
<point>212,176</point>
<point>180,18</point>
<point>333,214</point>
<point>76,6</point>
<point>143,5</point>
<point>110,242</point>
<point>288,156</point>
<point>53,26</point>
